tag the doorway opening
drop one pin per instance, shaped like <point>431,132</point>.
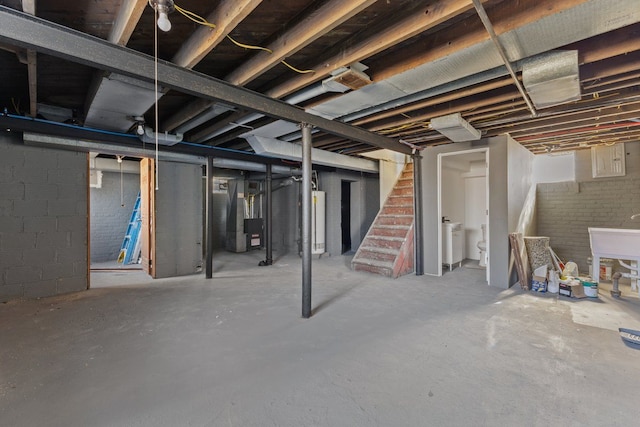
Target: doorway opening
<point>345,215</point>
<point>463,207</point>
<point>119,215</point>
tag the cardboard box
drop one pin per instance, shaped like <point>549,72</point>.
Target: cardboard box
<point>538,284</point>
<point>572,290</point>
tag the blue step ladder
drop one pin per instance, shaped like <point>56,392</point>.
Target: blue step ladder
<point>130,250</point>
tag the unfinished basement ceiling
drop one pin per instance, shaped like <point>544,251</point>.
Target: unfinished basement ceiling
<point>424,60</point>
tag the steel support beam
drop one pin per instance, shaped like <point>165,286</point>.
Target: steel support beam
<point>18,28</point>
<point>209,219</point>
<point>306,220</point>
<point>417,214</point>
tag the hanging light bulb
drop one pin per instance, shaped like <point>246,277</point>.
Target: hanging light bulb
<point>163,7</point>
<point>163,21</point>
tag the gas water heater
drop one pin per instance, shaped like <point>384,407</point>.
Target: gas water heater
<point>317,222</point>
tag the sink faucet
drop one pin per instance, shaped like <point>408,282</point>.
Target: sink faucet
<point>634,216</point>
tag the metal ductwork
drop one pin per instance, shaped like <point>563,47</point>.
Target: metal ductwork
<point>552,78</point>
<point>284,150</point>
<point>35,139</point>
<point>117,99</point>
<point>341,80</point>
<point>454,127</point>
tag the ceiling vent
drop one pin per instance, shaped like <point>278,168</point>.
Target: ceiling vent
<point>454,127</point>
<point>150,137</point>
<point>552,78</point>
<point>352,77</point>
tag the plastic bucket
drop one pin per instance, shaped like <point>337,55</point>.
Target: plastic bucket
<point>590,288</point>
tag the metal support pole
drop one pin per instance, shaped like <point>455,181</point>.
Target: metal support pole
<point>306,220</point>
<point>209,220</point>
<point>417,213</point>
<point>269,220</point>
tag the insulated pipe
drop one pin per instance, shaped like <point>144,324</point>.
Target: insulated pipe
<point>268,229</point>
<point>417,213</point>
<point>306,220</point>
<point>209,220</point>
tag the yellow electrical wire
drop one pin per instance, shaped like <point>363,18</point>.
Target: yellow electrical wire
<point>296,69</point>
<point>202,21</point>
<point>405,126</point>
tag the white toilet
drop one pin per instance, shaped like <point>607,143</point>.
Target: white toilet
<point>482,245</point>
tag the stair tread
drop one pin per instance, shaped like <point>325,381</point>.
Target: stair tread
<point>380,250</point>
<point>391,238</point>
<point>373,262</point>
<point>392,226</point>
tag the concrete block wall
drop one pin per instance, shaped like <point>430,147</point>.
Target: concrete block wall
<point>566,210</point>
<point>109,220</point>
<point>43,220</point>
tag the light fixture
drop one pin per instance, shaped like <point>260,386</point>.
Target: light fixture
<point>164,8</point>
<point>454,127</point>
<point>138,125</point>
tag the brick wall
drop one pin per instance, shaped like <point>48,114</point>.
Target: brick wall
<point>565,211</point>
<point>43,220</point>
<point>109,220</point>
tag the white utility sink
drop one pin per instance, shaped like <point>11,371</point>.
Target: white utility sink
<point>616,243</point>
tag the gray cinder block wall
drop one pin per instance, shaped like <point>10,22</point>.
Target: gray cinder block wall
<point>43,220</point>
<point>565,210</point>
<point>109,220</point>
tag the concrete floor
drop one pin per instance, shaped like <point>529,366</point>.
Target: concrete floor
<point>234,351</point>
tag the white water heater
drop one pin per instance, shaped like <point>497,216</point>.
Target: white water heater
<point>317,222</point>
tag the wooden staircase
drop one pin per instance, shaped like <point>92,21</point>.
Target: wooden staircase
<point>387,248</point>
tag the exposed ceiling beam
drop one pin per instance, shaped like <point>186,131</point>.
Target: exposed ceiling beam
<point>587,104</point>
<point>226,17</point>
<point>59,41</point>
<point>128,16</point>
<point>312,27</point>
<point>207,130</point>
<point>185,114</point>
<point>508,16</point>
<point>424,18</point>
<point>308,30</point>
<point>29,6</point>
<point>591,71</point>
<point>473,90</point>
<point>627,126</point>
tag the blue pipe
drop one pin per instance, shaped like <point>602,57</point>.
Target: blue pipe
<point>120,134</point>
